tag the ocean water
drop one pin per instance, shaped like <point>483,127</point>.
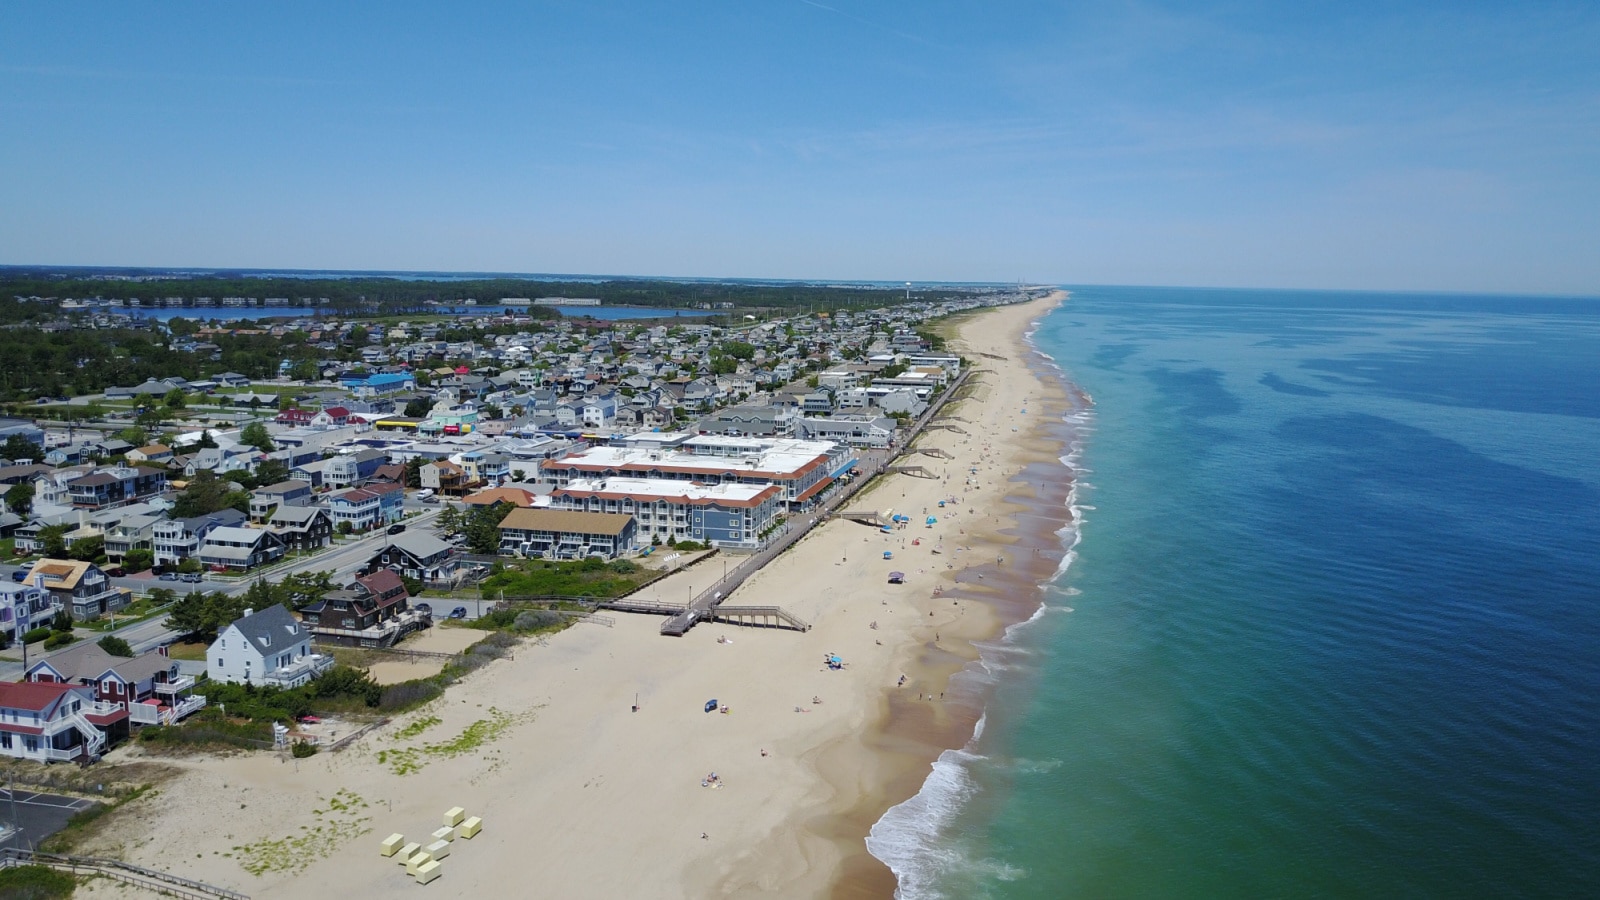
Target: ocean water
<point>1331,626</point>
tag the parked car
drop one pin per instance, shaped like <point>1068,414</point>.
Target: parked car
<point>430,499</point>
<point>191,577</point>
<point>20,575</point>
<point>116,571</point>
<point>459,612</point>
<point>168,576</point>
<point>424,608</point>
<point>397,527</point>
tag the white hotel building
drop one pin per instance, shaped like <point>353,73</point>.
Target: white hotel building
<point>727,515</point>
<point>800,470</point>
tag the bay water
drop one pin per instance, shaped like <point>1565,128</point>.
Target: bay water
<point>1331,622</point>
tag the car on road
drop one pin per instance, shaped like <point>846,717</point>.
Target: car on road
<point>116,571</point>
<point>424,608</point>
<point>168,576</point>
<point>459,612</point>
<point>20,575</point>
<point>397,527</point>
<point>191,577</point>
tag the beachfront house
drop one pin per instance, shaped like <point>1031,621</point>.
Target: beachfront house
<point>240,548</point>
<point>268,648</point>
<point>147,687</point>
<point>52,722</point>
<point>372,612</point>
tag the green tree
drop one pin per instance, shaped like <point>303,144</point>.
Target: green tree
<point>87,549</point>
<point>450,519</point>
<point>188,615</point>
<point>304,370</point>
<point>20,498</point>
<point>18,447</point>
<point>138,560</point>
<point>417,407</point>
<point>135,435</point>
<point>52,538</point>
<point>115,646</point>
<point>175,399</point>
<point>482,526</point>
<point>414,472</point>
<point>255,435</point>
<point>207,441</point>
<point>271,471</point>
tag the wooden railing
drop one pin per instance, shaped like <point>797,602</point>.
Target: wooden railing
<point>117,870</point>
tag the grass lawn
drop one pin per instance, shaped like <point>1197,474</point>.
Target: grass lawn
<point>190,651</point>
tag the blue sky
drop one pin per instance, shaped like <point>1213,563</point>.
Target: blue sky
<point>1347,145</point>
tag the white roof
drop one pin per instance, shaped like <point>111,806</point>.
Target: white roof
<point>650,488</point>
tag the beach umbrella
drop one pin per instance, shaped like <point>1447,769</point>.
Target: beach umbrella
<point>711,705</point>
<point>932,520</point>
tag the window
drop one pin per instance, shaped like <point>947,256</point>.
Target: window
<point>221,663</point>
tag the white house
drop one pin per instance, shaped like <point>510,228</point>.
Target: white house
<point>268,647</point>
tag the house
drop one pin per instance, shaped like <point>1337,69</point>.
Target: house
<point>148,687</point>
<point>331,417</point>
<point>485,468</point>
<point>52,722</point>
<point>153,453</point>
<point>264,500</point>
<point>566,534</point>
<point>240,548</point>
<point>445,478</point>
<point>507,495</point>
<point>296,417</point>
<point>231,380</point>
<point>302,528</point>
<point>113,487</point>
<point>24,607</point>
<point>384,384</point>
<point>350,469</point>
<point>368,507</point>
<point>134,532</point>
<point>178,539</point>
<point>81,588</point>
<point>268,647</point>
<point>373,612</point>
<point>855,431</point>
<point>415,554</point>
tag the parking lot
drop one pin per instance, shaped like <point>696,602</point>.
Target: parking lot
<point>37,816</point>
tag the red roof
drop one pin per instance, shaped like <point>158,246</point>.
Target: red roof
<point>37,696</point>
<point>463,370</point>
<point>337,412</point>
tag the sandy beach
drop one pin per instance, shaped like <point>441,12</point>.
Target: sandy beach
<point>583,797</point>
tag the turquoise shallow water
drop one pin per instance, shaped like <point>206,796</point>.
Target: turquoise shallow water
<point>1330,629</point>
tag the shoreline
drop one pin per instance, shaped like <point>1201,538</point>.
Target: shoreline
<point>603,801</point>
<point>1029,517</point>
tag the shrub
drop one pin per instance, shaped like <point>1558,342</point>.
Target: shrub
<point>35,883</point>
<point>302,749</point>
<point>58,640</point>
<point>408,694</point>
<point>36,635</point>
<point>115,646</point>
<point>62,621</point>
<point>536,620</point>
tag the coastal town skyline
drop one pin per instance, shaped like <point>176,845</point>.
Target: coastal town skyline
<point>1398,147</point>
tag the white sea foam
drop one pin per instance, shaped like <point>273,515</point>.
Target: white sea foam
<point>1035,766</point>
<point>909,837</point>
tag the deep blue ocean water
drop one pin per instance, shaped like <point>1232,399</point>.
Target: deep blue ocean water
<point>1332,626</point>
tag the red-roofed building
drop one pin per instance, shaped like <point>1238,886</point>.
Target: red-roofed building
<point>330,417</point>
<point>54,722</point>
<point>368,507</point>
<point>296,416</point>
<point>373,612</point>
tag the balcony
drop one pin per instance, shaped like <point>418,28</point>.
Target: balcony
<point>183,683</point>
<point>300,672</point>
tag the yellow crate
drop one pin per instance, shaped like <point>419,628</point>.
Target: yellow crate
<point>408,851</point>
<point>469,829</point>
<point>453,817</point>
<point>392,844</point>
<point>428,872</point>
